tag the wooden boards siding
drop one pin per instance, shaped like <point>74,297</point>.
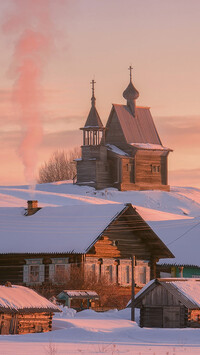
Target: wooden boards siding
<point>159,296</point>
<point>163,317</point>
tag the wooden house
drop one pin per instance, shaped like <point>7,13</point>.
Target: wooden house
<point>169,303</point>
<point>78,299</point>
<point>22,311</point>
<point>127,153</point>
<point>99,238</point>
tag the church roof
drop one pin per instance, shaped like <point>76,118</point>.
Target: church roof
<point>138,129</point>
<point>93,120</point>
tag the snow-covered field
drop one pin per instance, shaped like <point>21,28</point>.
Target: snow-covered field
<point>175,217</point>
<point>112,332</point>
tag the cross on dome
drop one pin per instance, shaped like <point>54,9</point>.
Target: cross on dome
<point>130,68</point>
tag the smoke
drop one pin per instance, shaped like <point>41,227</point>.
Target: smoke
<point>30,29</point>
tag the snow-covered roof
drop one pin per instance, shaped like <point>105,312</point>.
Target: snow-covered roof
<point>116,150</point>
<point>79,294</point>
<point>186,290</point>
<point>182,238</point>
<point>65,229</point>
<point>149,146</point>
<point>23,299</point>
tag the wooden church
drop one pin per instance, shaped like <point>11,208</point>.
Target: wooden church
<point>126,154</point>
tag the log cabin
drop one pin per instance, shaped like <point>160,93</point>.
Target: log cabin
<point>36,247</point>
<point>169,303</point>
<point>126,154</point>
<point>23,311</point>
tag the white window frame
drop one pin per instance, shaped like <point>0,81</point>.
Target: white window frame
<point>27,271</point>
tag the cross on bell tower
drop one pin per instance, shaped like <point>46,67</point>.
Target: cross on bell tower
<point>93,131</point>
<point>93,99</point>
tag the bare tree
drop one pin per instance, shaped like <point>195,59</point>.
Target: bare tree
<point>61,166</point>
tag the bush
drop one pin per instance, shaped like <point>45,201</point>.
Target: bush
<point>61,166</point>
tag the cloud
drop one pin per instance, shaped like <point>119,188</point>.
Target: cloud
<point>179,132</point>
<point>185,177</point>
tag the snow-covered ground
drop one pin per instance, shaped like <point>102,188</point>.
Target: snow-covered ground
<point>175,217</point>
<point>112,332</point>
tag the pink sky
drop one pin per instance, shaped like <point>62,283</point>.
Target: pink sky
<point>102,38</point>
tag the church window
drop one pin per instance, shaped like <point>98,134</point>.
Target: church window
<point>155,168</point>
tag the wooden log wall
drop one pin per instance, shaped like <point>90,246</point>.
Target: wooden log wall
<point>34,323</point>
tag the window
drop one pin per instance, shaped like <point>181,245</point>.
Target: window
<point>108,272</point>
<point>155,169</point>
<point>59,269</point>
<point>33,271</point>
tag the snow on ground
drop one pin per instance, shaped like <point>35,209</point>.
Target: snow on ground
<point>175,217</point>
<point>112,332</point>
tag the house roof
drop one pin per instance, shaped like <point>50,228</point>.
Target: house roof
<point>66,229</point>
<point>78,294</point>
<point>138,129</point>
<point>24,300</point>
<point>182,237</point>
<point>186,291</point>
<point>75,229</point>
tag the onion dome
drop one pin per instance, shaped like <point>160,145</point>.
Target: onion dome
<point>130,93</point>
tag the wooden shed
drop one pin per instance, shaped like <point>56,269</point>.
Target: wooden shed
<point>78,299</point>
<point>22,311</point>
<point>169,303</point>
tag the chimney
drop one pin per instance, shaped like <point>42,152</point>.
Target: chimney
<point>32,207</point>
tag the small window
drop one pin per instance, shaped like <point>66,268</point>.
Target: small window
<point>155,169</point>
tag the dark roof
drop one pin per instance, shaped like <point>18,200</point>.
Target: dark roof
<point>186,291</point>
<point>138,129</point>
<point>93,120</point>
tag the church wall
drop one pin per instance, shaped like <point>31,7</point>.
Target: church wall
<point>94,151</point>
<point>86,172</point>
<point>148,168</point>
<point>103,175</point>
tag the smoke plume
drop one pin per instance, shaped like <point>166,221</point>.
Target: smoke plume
<point>30,29</point>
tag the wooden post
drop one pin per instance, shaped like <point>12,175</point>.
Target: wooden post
<point>133,288</point>
<point>153,268</point>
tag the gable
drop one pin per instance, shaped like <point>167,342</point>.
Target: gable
<point>170,292</point>
<point>127,235</point>
<point>114,133</point>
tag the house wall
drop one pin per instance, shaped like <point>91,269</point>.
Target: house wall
<point>19,323</point>
<point>117,271</point>
<point>188,272</point>
<point>194,318</point>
